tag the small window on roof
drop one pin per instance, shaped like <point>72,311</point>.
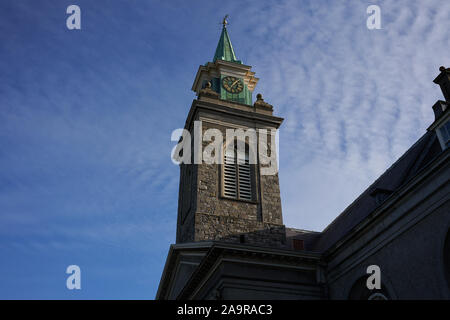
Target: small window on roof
<point>298,244</point>
<point>444,135</point>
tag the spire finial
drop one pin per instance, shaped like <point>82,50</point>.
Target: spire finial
<point>225,22</point>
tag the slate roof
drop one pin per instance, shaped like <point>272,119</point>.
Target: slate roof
<point>403,170</point>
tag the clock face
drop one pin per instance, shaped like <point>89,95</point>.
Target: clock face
<point>232,84</point>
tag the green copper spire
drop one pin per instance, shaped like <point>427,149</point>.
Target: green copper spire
<point>224,50</point>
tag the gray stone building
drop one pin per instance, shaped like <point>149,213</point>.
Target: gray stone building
<point>231,240</point>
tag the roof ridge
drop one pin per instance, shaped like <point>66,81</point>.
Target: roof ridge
<point>302,230</point>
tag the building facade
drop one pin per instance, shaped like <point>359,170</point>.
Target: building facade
<point>231,242</point>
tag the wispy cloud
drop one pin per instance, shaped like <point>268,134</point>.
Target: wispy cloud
<point>353,99</point>
<point>86,117</point>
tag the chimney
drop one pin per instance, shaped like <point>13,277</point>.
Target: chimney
<point>443,80</point>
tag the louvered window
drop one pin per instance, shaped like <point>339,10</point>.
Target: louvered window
<point>237,177</point>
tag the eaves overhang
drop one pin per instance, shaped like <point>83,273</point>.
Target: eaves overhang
<point>220,249</point>
<point>174,251</point>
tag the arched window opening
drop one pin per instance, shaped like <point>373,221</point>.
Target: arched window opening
<point>377,296</point>
<point>359,291</point>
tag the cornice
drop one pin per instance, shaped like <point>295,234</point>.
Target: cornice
<point>171,261</point>
<point>257,254</point>
<point>227,68</point>
<point>226,108</point>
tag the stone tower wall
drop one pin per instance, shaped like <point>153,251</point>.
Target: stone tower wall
<point>211,216</point>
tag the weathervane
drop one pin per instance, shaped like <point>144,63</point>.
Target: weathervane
<point>225,22</point>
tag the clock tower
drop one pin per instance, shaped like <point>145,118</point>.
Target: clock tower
<point>231,241</point>
<point>232,200</point>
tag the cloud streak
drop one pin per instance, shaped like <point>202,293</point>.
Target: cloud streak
<point>86,119</point>
<point>354,99</point>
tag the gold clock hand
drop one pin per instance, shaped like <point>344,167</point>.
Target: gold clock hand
<point>232,85</point>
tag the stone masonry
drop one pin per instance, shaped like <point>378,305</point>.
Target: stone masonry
<point>204,213</point>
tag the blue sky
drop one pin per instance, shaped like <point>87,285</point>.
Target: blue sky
<point>86,118</point>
